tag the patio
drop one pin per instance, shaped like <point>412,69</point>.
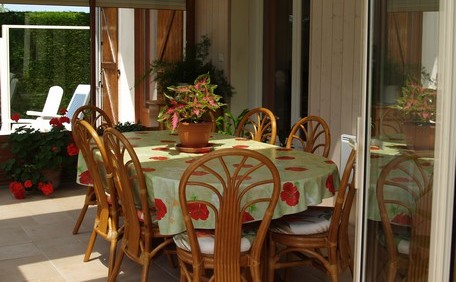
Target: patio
<point>36,243</point>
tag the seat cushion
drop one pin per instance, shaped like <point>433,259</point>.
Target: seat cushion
<point>402,241</point>
<point>308,222</point>
<point>206,241</point>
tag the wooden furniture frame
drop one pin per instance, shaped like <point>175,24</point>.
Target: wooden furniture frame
<point>107,217</point>
<point>98,119</point>
<point>258,124</point>
<point>232,194</point>
<point>313,134</point>
<point>330,249</point>
<point>142,240</point>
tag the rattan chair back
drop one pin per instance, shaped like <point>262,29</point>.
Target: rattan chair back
<point>141,241</point>
<point>412,185</point>
<point>258,124</point>
<point>234,178</point>
<point>312,134</point>
<point>107,217</point>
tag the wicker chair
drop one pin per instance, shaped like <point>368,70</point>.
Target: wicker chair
<point>258,124</point>
<point>107,217</point>
<point>316,236</point>
<point>229,254</point>
<point>142,240</point>
<point>407,229</point>
<point>312,133</point>
<point>98,119</point>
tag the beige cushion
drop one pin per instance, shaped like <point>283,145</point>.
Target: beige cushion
<point>308,222</point>
<point>206,242</point>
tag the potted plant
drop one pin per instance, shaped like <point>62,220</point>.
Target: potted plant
<point>39,157</point>
<point>417,104</point>
<point>189,108</point>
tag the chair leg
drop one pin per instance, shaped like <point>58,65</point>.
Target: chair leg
<point>112,256</point>
<point>90,245</point>
<point>115,271</point>
<point>145,270</point>
<point>89,200</point>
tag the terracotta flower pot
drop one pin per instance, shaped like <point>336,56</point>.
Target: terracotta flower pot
<point>419,137</point>
<point>194,135</point>
<point>53,175</point>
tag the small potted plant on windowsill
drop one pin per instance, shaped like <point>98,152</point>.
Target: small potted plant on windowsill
<point>39,157</point>
<point>189,110</point>
<point>417,104</point>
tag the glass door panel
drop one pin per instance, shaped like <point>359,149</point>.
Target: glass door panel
<point>403,45</point>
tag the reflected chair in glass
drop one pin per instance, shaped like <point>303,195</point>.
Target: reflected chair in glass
<point>142,240</point>
<point>404,191</point>
<point>318,237</point>
<point>107,217</point>
<point>391,122</point>
<point>99,120</point>
<point>258,124</point>
<point>238,180</point>
<point>312,134</point>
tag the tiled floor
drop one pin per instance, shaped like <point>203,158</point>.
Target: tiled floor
<point>37,244</point>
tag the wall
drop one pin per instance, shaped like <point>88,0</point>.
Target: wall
<point>335,66</point>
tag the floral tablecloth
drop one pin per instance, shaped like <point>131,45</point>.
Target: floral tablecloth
<point>306,178</point>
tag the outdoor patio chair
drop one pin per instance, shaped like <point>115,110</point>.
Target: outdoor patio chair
<point>107,217</point>
<point>233,249</point>
<point>50,108</point>
<point>258,124</point>
<point>81,97</point>
<point>319,236</point>
<point>312,134</point>
<point>99,120</point>
<point>406,217</point>
<point>142,240</point>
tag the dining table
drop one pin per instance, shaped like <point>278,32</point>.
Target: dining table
<point>306,178</point>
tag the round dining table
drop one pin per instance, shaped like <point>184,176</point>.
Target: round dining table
<point>306,179</point>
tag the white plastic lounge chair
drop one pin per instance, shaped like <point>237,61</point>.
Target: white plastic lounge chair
<point>51,107</point>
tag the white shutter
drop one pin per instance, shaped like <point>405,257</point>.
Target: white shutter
<point>146,4</point>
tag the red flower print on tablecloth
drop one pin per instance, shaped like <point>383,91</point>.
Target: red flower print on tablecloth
<point>290,194</point>
<point>329,162</point>
<point>283,149</point>
<point>285,158</point>
<point>240,146</point>
<point>158,158</point>
<point>161,149</point>
<point>85,178</point>
<point>161,208</point>
<point>374,156</point>
<point>296,168</point>
<point>402,219</point>
<point>148,169</point>
<point>167,141</point>
<point>247,217</point>
<point>241,139</point>
<point>330,184</point>
<point>199,173</point>
<point>190,161</point>
<point>198,211</point>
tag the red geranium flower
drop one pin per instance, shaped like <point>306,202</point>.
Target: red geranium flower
<point>46,188</point>
<point>72,149</point>
<point>330,184</point>
<point>198,211</point>
<point>85,178</point>
<point>402,219</point>
<point>15,117</point>
<point>17,189</point>
<point>28,183</point>
<point>161,208</point>
<point>290,194</point>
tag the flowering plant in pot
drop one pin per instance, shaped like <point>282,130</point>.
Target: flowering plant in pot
<point>38,153</point>
<point>191,104</point>
<point>417,104</point>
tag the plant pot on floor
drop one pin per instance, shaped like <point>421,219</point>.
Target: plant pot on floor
<point>194,135</point>
<point>53,175</point>
<point>420,137</point>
